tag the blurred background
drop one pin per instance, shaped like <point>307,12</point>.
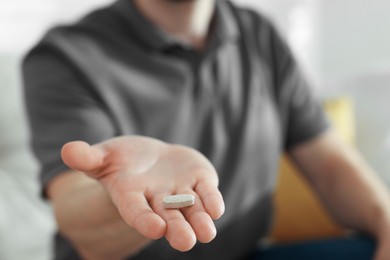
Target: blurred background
<point>344,47</point>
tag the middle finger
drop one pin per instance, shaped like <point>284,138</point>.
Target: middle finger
<point>179,234</point>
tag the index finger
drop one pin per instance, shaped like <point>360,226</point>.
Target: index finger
<point>136,211</point>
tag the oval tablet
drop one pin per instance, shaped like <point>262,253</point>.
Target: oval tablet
<point>178,201</point>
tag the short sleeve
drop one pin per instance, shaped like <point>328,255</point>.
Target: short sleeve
<point>301,112</point>
<point>61,107</point>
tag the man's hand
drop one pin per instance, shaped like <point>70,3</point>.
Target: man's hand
<point>138,172</point>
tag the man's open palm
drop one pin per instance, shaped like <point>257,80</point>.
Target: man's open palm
<point>138,172</point>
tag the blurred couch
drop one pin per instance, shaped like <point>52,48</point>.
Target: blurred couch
<point>299,215</point>
<point>361,116</point>
<point>26,225</point>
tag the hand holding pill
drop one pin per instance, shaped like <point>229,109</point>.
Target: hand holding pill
<point>158,188</point>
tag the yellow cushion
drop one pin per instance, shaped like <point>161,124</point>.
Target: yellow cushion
<point>298,214</point>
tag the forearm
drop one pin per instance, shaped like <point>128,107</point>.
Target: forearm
<point>349,189</point>
<point>355,196</point>
<point>88,218</point>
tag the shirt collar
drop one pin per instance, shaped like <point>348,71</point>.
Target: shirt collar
<point>156,38</point>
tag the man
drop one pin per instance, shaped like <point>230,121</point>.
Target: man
<point>152,82</point>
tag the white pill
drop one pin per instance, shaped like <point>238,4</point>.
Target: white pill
<point>179,201</point>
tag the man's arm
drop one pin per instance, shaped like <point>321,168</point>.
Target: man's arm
<point>350,190</point>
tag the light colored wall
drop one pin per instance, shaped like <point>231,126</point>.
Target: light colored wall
<point>22,22</point>
<point>355,37</point>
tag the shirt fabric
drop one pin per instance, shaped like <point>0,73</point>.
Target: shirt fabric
<point>241,102</point>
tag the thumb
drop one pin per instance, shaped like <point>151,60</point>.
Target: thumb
<point>80,156</point>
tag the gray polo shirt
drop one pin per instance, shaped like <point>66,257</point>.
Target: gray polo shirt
<point>241,102</point>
